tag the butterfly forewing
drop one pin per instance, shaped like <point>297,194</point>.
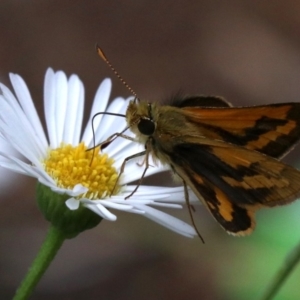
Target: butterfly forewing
<point>200,101</point>
<point>270,129</point>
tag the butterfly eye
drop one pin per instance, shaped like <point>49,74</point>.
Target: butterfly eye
<point>146,126</point>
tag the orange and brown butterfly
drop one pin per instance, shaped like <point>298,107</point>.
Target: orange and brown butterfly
<point>229,156</point>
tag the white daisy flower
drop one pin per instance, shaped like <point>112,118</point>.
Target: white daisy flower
<point>62,165</point>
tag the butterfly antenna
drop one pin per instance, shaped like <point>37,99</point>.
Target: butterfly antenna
<point>103,56</point>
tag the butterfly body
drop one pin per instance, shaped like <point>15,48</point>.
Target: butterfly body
<point>228,156</point>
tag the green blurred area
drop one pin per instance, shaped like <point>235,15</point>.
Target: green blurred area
<point>277,234</point>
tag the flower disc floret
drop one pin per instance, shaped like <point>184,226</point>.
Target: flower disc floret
<point>71,165</point>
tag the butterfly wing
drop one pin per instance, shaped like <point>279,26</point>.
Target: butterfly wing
<point>200,101</point>
<point>234,181</point>
<point>270,129</point>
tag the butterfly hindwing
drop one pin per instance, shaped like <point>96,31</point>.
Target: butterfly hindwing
<point>233,218</point>
<point>233,181</point>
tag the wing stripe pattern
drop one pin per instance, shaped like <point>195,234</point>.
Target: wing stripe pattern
<point>234,182</point>
<point>271,130</point>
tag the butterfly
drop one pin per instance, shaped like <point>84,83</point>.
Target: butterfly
<point>229,156</point>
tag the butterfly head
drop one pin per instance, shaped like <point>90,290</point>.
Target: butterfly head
<point>139,118</point>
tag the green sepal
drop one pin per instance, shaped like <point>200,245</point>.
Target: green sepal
<point>54,209</point>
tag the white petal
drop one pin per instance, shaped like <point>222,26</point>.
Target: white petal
<point>30,170</point>
<point>42,180</point>
<point>79,189</point>
<point>13,167</point>
<point>101,211</point>
<point>166,205</point>
<point>149,190</point>
<point>72,203</point>
<point>121,200</point>
<point>14,121</point>
<point>109,124</point>
<point>121,148</point>
<point>133,171</point>
<point>28,107</point>
<point>49,106</point>
<point>140,200</point>
<point>17,164</point>
<point>168,221</point>
<point>111,204</point>
<point>99,105</point>
<point>61,97</point>
<point>74,112</point>
<point>168,194</point>
<point>114,204</point>
<point>19,139</point>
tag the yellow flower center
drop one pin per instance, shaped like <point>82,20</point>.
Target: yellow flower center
<point>69,165</point>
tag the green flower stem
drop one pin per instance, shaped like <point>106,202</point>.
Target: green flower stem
<point>291,261</point>
<point>49,248</point>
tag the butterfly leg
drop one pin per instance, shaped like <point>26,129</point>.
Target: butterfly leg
<point>113,137</point>
<point>108,141</point>
<point>186,195</point>
<point>144,172</point>
<point>190,207</point>
<point>123,168</point>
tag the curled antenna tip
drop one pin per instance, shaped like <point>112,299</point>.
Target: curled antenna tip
<point>101,53</point>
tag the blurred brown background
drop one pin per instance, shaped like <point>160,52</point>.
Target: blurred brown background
<point>247,51</point>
